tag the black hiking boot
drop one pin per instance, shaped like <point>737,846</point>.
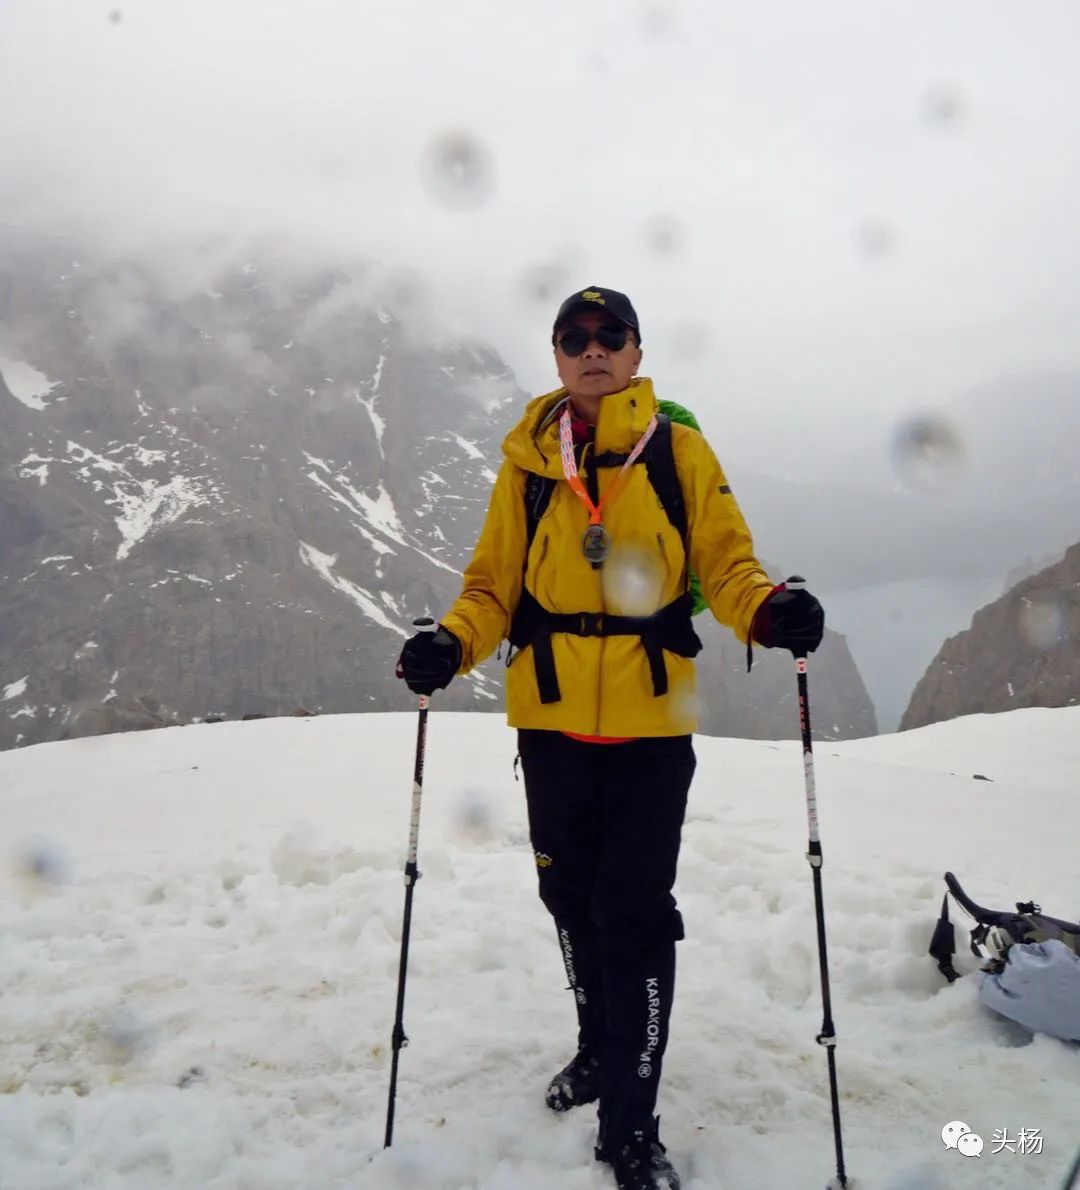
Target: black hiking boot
<point>641,1162</point>
<point>577,1083</point>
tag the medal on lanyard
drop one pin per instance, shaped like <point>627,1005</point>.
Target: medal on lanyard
<point>596,543</point>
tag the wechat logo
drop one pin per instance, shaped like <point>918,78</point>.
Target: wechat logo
<point>957,1135</point>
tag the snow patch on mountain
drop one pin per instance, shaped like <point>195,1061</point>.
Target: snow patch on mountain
<point>480,681</point>
<point>152,506</point>
<point>40,472</point>
<point>82,454</point>
<point>323,565</point>
<point>379,546</point>
<point>376,421</point>
<point>144,504</point>
<point>15,689</point>
<point>26,383</point>
<point>380,511</point>
<point>377,512</point>
<point>470,448</point>
<point>376,378</point>
<point>147,457</point>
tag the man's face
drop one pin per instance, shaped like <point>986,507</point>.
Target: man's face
<point>597,372</point>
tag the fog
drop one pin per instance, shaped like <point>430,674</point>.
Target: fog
<point>826,215</point>
<point>835,220</point>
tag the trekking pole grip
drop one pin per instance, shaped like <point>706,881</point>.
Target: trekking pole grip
<point>426,625</point>
<point>796,582</point>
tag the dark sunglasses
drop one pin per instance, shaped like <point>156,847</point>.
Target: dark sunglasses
<point>574,341</point>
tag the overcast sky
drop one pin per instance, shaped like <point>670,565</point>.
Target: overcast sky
<point>827,214</point>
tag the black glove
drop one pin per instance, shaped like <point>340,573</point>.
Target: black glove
<point>429,660</point>
<point>789,620</point>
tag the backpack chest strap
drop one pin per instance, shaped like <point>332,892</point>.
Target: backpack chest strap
<point>669,628</point>
<point>611,458</point>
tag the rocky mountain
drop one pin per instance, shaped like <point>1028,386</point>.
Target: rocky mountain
<point>1023,650</point>
<point>232,498</point>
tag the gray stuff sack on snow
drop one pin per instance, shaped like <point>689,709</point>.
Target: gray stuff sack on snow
<point>1039,987</point>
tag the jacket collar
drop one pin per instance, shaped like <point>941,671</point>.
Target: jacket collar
<point>533,444</point>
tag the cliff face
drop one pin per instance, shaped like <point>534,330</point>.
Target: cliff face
<point>1023,650</point>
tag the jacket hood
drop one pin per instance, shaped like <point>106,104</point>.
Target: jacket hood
<point>533,444</point>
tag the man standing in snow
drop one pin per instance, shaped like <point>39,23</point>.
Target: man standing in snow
<point>580,565</point>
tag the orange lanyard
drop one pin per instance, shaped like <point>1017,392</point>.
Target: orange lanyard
<point>566,441</point>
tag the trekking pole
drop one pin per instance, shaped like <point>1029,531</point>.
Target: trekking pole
<point>399,1040</point>
<point>827,1036</point>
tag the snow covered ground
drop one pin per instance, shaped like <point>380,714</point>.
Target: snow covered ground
<point>199,933</point>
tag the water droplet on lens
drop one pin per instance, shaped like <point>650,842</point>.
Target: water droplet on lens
<point>126,1034</point>
<point>458,171</point>
<point>633,580</point>
<point>664,234</point>
<point>116,15</point>
<point>684,705</point>
<point>690,339</point>
<point>657,19</point>
<point>545,283</point>
<point>945,103</point>
<point>876,237</point>
<point>475,816</point>
<point>928,454</point>
<point>1042,621</point>
<point>42,863</point>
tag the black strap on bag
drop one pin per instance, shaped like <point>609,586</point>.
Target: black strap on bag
<point>943,944</point>
<point>670,628</point>
<point>1027,924</point>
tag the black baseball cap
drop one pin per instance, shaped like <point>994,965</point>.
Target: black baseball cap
<point>616,304</point>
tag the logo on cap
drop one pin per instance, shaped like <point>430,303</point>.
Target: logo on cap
<point>590,295</point>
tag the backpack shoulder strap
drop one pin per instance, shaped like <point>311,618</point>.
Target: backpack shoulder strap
<point>660,466</point>
<point>538,489</point>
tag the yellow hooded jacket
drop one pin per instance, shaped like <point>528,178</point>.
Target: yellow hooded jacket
<point>606,684</point>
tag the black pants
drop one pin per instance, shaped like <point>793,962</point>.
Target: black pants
<point>605,822</point>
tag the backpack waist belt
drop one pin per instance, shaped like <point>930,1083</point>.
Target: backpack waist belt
<point>669,628</point>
